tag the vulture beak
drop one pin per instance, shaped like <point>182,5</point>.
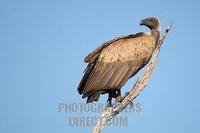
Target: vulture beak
<point>141,22</point>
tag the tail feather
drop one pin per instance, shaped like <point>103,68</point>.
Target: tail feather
<point>93,97</point>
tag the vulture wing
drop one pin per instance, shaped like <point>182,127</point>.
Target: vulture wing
<point>114,62</point>
<point>95,54</point>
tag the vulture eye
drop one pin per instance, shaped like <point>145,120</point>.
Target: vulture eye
<point>151,19</point>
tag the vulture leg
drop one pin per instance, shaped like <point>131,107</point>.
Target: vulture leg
<point>111,94</point>
<point>114,94</point>
<point>109,101</point>
<point>117,96</point>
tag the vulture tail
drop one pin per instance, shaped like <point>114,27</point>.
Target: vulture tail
<point>93,97</point>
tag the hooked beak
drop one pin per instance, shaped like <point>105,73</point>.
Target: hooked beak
<point>141,22</point>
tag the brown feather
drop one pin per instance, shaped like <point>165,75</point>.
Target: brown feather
<point>113,63</point>
<point>95,54</point>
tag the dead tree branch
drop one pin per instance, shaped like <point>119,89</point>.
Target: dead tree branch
<point>108,114</point>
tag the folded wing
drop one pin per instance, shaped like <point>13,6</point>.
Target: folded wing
<point>112,64</point>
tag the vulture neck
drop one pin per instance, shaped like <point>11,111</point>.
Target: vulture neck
<point>156,34</point>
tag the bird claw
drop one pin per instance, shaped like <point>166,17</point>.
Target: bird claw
<point>116,104</point>
<point>109,104</point>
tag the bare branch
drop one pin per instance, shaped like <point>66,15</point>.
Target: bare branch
<point>108,114</point>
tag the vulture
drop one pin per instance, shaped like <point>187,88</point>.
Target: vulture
<point>113,63</point>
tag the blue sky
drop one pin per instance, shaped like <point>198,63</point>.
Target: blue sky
<point>42,47</point>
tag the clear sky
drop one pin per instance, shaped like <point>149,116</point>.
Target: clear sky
<point>42,47</point>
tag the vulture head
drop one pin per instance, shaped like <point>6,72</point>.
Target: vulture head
<point>151,22</point>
